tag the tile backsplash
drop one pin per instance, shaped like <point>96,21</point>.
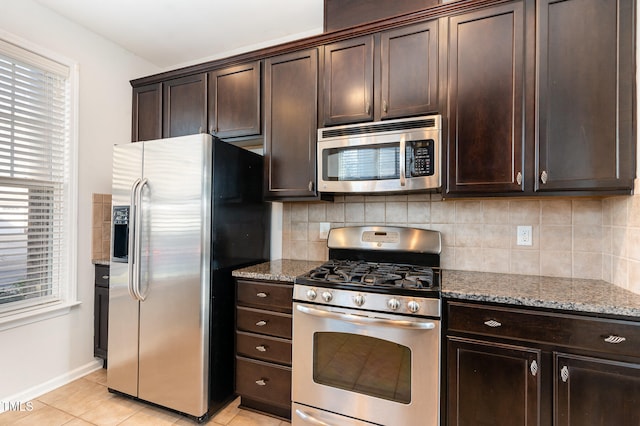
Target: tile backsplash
<point>101,226</point>
<point>572,237</point>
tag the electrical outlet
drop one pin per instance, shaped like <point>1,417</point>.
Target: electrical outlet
<point>324,230</point>
<point>524,237</point>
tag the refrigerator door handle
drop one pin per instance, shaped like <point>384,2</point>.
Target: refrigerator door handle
<point>132,243</point>
<point>136,238</point>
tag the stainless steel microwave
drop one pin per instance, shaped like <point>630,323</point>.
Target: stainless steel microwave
<point>387,156</point>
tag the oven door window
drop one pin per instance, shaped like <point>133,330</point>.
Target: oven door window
<point>363,364</point>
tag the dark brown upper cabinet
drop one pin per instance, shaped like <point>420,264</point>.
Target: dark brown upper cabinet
<point>185,106</point>
<point>290,116</point>
<point>391,74</point>
<point>348,81</point>
<point>486,57</point>
<point>234,101</point>
<point>147,112</point>
<point>585,126</point>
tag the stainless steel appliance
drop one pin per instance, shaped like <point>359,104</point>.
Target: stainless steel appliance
<point>186,211</point>
<point>366,330</point>
<point>387,156</point>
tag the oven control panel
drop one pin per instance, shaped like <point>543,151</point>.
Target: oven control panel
<point>390,303</point>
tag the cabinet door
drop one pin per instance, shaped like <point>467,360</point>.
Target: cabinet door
<point>409,65</point>
<point>585,110</point>
<point>348,81</point>
<point>234,101</point>
<point>147,113</point>
<point>290,91</point>
<point>185,106</point>
<point>486,100</point>
<point>591,391</point>
<point>100,322</point>
<point>492,384</point>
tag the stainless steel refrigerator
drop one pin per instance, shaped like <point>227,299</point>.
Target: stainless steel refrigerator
<point>186,212</point>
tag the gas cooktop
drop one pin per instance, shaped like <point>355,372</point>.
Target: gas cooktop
<point>392,278</point>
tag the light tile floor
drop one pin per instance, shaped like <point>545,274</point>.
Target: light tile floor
<point>86,401</point>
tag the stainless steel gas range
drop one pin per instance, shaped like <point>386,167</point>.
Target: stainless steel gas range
<point>366,330</point>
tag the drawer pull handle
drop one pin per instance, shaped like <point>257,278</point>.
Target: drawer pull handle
<point>261,348</point>
<point>105,277</point>
<point>492,323</point>
<point>261,294</point>
<point>564,374</point>
<point>533,368</point>
<point>261,382</point>
<point>615,339</point>
<point>261,323</point>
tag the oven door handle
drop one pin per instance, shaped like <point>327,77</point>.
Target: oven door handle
<point>365,320</point>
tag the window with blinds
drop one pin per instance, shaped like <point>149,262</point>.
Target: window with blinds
<point>34,143</point>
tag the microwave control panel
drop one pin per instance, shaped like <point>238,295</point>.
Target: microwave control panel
<point>420,158</point>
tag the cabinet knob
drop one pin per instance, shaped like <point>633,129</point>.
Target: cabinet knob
<point>105,277</point>
<point>368,108</point>
<point>261,323</point>
<point>519,178</point>
<point>492,323</point>
<point>564,374</point>
<point>544,176</point>
<point>262,295</point>
<point>385,107</point>
<point>614,340</point>
<point>533,368</point>
<point>261,348</point>
<point>261,382</point>
<point>310,186</point>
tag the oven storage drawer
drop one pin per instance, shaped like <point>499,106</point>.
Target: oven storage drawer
<point>265,348</point>
<point>271,296</point>
<point>262,381</point>
<point>264,322</point>
<point>593,334</point>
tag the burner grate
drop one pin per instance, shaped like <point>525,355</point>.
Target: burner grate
<point>384,275</point>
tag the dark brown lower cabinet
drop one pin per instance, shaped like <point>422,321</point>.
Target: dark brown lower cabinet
<point>593,391</point>
<point>515,366</point>
<point>101,312</point>
<point>263,346</point>
<point>492,384</point>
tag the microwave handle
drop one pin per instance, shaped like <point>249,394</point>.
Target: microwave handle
<point>403,161</point>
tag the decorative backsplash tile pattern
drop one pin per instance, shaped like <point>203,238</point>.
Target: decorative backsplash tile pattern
<point>101,230</point>
<point>590,238</point>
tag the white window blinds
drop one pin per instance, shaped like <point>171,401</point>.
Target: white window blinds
<point>34,141</point>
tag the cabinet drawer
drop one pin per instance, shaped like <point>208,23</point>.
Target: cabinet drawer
<point>264,322</point>
<point>272,296</point>
<point>265,348</point>
<point>564,330</point>
<point>262,381</point>
<point>102,275</point>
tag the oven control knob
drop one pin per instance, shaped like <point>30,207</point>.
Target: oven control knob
<point>311,294</point>
<point>413,306</point>
<point>327,296</point>
<point>358,299</point>
<point>393,304</point>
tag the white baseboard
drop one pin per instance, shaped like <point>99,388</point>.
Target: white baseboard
<point>38,390</point>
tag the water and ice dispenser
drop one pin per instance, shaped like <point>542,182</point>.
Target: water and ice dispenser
<point>120,234</point>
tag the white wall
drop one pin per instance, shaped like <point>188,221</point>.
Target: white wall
<point>42,355</point>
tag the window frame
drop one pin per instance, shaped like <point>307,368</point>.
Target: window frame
<point>68,289</point>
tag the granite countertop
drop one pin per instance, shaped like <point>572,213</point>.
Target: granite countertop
<point>570,294</point>
<point>277,270</point>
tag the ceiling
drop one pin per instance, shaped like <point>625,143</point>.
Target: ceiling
<point>174,33</point>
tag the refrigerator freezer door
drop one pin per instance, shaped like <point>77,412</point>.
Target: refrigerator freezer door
<point>122,361</point>
<point>175,274</point>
